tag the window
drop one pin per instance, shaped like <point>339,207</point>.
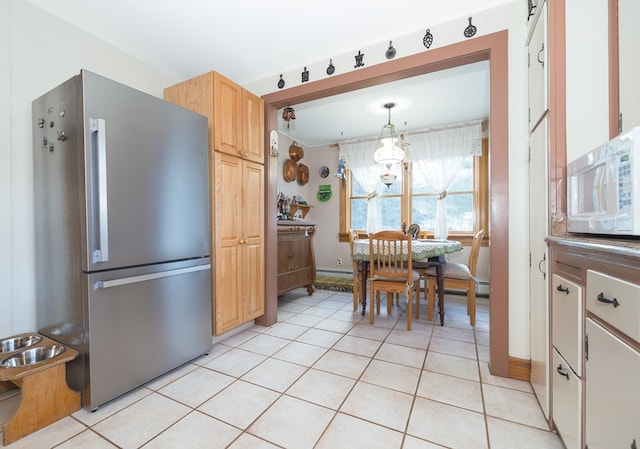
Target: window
<point>410,200</point>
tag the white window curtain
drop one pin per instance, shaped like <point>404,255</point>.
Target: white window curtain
<point>358,157</point>
<point>437,156</point>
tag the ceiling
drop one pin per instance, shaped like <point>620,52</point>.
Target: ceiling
<point>249,40</point>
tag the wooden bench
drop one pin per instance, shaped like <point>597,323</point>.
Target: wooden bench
<point>46,397</point>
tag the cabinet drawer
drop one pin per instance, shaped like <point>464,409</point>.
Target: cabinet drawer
<point>615,301</point>
<point>567,402</point>
<point>566,303</point>
<point>612,395</point>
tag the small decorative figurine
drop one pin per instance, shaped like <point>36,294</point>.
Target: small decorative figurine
<point>391,52</point>
<point>427,40</point>
<point>340,173</point>
<point>470,31</point>
<point>281,82</point>
<point>305,75</point>
<point>331,67</point>
<point>359,60</point>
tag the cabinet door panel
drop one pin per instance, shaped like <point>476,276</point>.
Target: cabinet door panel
<point>538,70</point>
<point>538,280</point>
<point>566,303</point>
<point>612,391</point>
<point>253,138</point>
<point>227,310</point>
<point>567,402</point>
<point>252,202</point>
<point>227,100</point>
<point>253,280</point>
<point>625,316</point>
<point>302,256</point>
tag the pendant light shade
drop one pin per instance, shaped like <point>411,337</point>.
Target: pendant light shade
<point>388,152</point>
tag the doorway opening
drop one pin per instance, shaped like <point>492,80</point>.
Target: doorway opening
<point>492,48</point>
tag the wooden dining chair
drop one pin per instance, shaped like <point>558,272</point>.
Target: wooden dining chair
<point>390,270</point>
<point>458,276</point>
<point>357,276</point>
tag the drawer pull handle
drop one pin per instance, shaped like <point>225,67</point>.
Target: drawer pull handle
<point>562,372</point>
<point>560,288</point>
<point>613,301</point>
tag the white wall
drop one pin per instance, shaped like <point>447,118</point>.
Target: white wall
<point>513,18</point>
<point>327,247</point>
<point>42,51</point>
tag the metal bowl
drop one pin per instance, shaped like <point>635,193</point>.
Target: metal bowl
<point>13,344</point>
<point>32,356</point>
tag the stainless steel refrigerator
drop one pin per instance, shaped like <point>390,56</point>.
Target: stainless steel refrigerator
<point>122,232</point>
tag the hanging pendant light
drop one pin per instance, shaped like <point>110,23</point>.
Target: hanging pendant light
<point>289,117</point>
<point>388,177</point>
<point>388,152</point>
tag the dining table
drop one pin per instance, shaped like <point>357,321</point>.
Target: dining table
<point>424,253</point>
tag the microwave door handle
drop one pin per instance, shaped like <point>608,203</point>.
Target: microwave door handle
<point>600,189</point>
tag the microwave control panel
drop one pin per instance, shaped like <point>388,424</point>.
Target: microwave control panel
<point>624,182</point>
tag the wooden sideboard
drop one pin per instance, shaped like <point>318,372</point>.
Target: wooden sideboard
<point>296,261</point>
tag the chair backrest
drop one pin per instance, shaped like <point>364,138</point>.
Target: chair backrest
<point>390,255</point>
<point>353,235</point>
<point>475,251</point>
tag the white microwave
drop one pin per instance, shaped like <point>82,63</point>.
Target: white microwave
<point>603,188</point>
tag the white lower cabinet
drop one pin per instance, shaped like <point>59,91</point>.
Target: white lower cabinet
<point>567,401</point>
<point>612,373</point>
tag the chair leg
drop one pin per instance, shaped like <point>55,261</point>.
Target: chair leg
<point>418,300</point>
<point>356,291</point>
<point>372,298</point>
<point>431,299</point>
<point>390,296</point>
<point>471,303</point>
<point>409,301</point>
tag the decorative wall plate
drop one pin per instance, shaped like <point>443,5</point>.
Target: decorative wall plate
<point>303,174</point>
<point>289,172</point>
<point>324,171</point>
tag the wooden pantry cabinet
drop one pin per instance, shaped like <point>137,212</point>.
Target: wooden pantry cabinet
<point>236,136</point>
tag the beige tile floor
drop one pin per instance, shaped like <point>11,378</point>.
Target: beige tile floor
<point>322,377</point>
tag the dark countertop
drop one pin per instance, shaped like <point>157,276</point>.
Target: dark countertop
<point>623,246</point>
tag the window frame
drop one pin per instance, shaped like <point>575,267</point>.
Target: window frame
<point>480,201</point>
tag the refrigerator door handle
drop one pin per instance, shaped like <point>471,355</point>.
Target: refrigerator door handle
<point>150,276</point>
<point>98,128</point>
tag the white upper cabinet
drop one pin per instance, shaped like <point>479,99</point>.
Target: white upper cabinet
<point>629,64</point>
<point>538,68</point>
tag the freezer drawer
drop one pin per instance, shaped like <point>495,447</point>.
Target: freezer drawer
<point>143,324</point>
<point>612,371</point>
<point>566,303</point>
<point>567,402</point>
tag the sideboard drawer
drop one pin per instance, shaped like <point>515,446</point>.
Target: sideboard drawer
<point>615,301</point>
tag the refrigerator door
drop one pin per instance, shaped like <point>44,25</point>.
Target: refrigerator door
<point>146,181</point>
<point>141,323</point>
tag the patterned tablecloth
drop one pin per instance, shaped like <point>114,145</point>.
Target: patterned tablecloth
<point>420,249</point>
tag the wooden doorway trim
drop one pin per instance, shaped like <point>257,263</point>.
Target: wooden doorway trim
<point>492,47</point>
